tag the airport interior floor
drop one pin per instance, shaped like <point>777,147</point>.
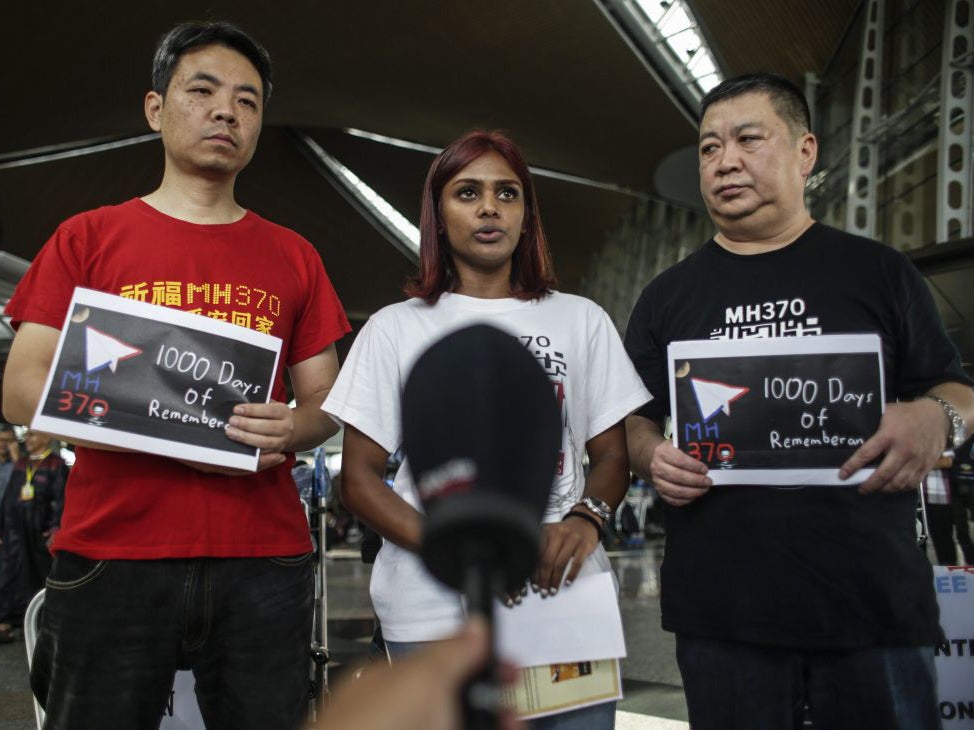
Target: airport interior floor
<point>653,696</point>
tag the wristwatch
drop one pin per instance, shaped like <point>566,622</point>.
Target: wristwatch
<point>597,506</point>
<point>957,433</point>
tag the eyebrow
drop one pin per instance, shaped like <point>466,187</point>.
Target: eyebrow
<point>203,76</point>
<point>736,130</point>
<point>480,181</point>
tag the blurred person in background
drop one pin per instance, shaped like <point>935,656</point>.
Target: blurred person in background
<point>30,514</point>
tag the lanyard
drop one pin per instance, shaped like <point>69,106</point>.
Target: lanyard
<point>32,472</point>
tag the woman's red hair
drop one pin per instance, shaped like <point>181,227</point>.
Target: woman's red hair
<point>532,273</point>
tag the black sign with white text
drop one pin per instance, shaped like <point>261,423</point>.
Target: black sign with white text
<point>776,411</point>
<point>154,379</point>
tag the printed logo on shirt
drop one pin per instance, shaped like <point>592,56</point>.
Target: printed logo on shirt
<point>553,362</point>
<point>778,318</point>
<point>239,304</point>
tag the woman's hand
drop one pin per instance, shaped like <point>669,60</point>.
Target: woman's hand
<point>564,543</point>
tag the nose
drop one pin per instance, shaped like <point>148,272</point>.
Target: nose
<point>223,109</point>
<point>730,159</point>
<point>488,207</point>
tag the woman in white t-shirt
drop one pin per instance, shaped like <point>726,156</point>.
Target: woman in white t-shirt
<point>484,259</point>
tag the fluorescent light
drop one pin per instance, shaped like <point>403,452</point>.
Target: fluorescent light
<point>685,44</point>
<point>393,223</point>
<point>654,9</point>
<point>675,21</point>
<point>382,207</point>
<point>53,153</point>
<point>395,142</point>
<point>668,35</point>
<point>708,82</point>
<point>702,64</point>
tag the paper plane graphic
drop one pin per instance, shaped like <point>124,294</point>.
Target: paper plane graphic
<point>104,350</point>
<point>713,396</point>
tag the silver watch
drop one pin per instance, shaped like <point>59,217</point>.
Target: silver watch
<point>597,506</point>
<point>957,433</point>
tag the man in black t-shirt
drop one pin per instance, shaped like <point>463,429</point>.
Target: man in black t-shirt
<point>787,597</point>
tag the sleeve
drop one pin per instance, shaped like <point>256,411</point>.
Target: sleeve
<point>43,294</point>
<point>367,392</point>
<point>322,319</point>
<point>925,355</point>
<point>612,386</point>
<point>648,354</point>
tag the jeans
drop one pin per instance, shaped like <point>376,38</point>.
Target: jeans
<point>738,686</point>
<point>596,717</point>
<point>114,632</point>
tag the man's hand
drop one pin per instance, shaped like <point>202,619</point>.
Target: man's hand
<point>572,539</point>
<point>678,477</point>
<point>267,426</point>
<point>910,438</point>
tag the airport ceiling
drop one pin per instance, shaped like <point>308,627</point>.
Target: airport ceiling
<point>556,74</point>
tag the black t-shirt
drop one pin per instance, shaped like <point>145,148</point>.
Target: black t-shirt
<point>819,567</point>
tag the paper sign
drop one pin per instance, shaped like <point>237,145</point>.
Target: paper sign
<point>581,621</point>
<point>778,411</point>
<point>154,379</point>
<point>955,657</point>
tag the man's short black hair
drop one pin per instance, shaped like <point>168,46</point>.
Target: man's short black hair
<point>187,36</point>
<point>787,99</point>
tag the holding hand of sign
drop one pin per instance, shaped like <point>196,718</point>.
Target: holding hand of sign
<point>678,477</point>
<point>268,426</point>
<point>912,437</point>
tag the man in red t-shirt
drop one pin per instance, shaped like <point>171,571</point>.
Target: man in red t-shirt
<point>160,563</point>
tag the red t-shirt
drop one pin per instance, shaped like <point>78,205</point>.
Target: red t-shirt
<point>252,273</point>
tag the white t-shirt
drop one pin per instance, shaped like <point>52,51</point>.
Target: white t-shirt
<point>577,345</point>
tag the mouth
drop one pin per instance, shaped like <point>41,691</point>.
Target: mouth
<point>729,191</point>
<point>222,139</point>
<point>488,234</point>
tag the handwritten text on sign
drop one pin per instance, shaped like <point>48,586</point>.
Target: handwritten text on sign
<point>778,411</point>
<point>154,379</point>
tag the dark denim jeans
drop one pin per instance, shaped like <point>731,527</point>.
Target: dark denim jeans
<point>113,633</point>
<point>738,686</point>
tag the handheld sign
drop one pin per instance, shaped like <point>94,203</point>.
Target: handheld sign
<point>784,411</point>
<point>154,379</point>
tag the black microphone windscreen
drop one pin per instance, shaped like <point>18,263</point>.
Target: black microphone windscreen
<point>481,433</point>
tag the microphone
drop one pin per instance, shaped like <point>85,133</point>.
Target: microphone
<point>481,434</point>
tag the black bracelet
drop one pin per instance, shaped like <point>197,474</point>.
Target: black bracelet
<point>588,518</point>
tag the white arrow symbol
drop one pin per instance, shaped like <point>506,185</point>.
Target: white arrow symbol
<point>102,350</point>
<point>713,396</point>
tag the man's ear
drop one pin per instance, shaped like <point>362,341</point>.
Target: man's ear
<point>153,110</point>
<point>809,153</point>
